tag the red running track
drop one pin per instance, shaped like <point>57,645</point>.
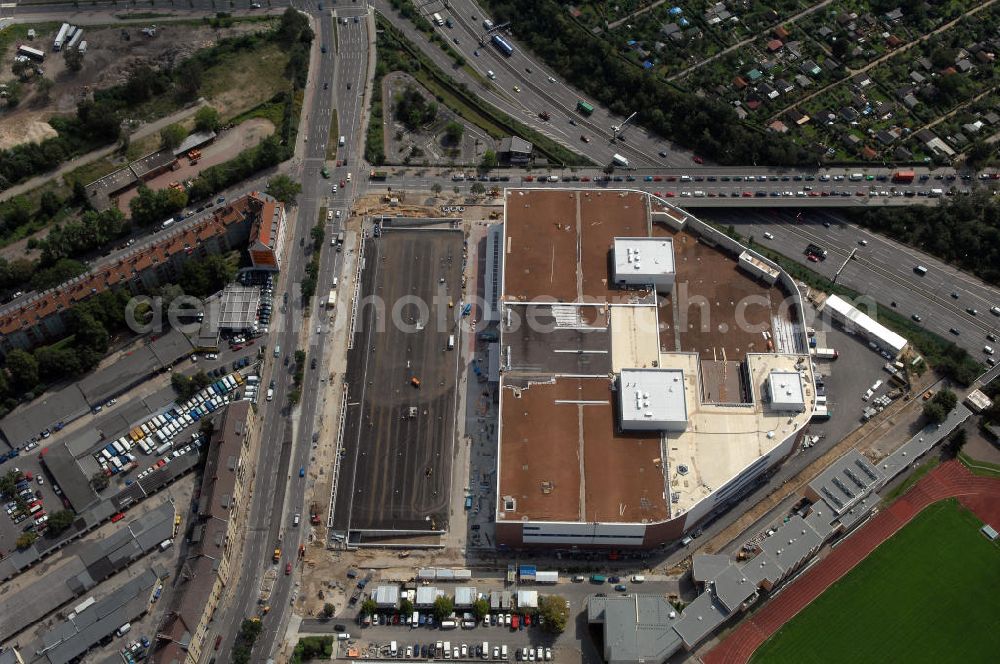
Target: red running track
<point>951,479</point>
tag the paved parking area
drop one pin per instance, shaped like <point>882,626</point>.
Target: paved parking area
<point>847,379</point>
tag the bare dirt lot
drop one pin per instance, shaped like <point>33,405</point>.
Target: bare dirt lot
<point>108,61</point>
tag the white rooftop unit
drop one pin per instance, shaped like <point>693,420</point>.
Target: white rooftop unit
<point>855,321</point>
<point>652,400</point>
<point>644,261</point>
<point>758,268</point>
<point>785,388</point>
<point>527,599</point>
<point>425,596</point>
<point>465,596</point>
<point>386,596</point>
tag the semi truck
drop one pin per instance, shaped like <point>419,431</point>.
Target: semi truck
<point>903,177</point>
<point>824,353</point>
<point>378,175</point>
<point>503,45</point>
<point>60,37</point>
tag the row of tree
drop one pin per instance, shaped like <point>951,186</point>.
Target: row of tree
<point>961,230</point>
<point>591,64</point>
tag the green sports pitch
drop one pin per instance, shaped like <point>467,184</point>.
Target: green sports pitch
<point>928,594</point>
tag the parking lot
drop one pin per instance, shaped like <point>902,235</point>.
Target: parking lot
<point>846,380</point>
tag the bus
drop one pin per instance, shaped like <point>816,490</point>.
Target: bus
<point>378,175</point>
<point>584,107</point>
<point>503,45</point>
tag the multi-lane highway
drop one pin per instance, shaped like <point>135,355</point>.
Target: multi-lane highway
<point>286,441</point>
<point>942,297</point>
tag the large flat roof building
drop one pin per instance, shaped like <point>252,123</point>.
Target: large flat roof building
<point>633,401</point>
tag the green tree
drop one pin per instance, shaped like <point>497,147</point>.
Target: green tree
<point>369,607</point>
<point>284,188</point>
<point>74,59</point>
<point>23,370</point>
<point>477,188</point>
<point>43,86</point>
<point>24,540</point>
<point>183,385</point>
<point>443,607</point>
<point>99,481</point>
<point>555,612</point>
<point>436,188</point>
<point>207,119</point>
<point>60,521</point>
<point>172,135</point>
<point>481,608</point>
<point>50,204</point>
<point>8,482</point>
<point>489,161</point>
<point>328,610</point>
<point>405,607</point>
<point>453,132</point>
<point>934,412</point>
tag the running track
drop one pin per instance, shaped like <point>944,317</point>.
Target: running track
<point>952,479</point>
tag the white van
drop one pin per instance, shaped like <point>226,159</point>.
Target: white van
<point>348,177</point>
<point>448,624</point>
<point>855,177</point>
<point>393,648</point>
<point>503,651</point>
<point>123,630</point>
<point>342,141</point>
<point>253,380</point>
<point>638,578</point>
<point>988,350</point>
<point>343,636</point>
<point>270,394</point>
<point>451,341</point>
<point>490,74</point>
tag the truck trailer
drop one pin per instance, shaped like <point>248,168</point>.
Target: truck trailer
<point>903,177</point>
<point>824,353</point>
<point>57,43</point>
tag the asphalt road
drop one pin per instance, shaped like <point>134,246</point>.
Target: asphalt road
<point>881,268</point>
<point>279,491</point>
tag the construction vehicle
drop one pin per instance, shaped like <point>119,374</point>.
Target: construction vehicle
<point>194,155</point>
<point>314,514</point>
<point>277,554</point>
<point>415,382</point>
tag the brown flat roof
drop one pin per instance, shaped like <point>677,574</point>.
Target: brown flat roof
<point>562,459</point>
<point>556,242</point>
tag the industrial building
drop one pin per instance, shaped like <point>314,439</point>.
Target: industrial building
<point>208,567</point>
<point>856,322</point>
<point>624,419</point>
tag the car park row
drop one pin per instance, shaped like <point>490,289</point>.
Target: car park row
<point>26,501</point>
<point>457,651</point>
<point>158,434</point>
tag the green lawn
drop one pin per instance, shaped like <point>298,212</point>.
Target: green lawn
<point>929,594</point>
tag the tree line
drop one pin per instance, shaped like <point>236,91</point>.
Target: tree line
<point>961,230</point>
<point>591,64</point>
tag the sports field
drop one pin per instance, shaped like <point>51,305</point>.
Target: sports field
<point>928,594</point>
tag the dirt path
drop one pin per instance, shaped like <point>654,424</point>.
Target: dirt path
<point>952,479</point>
<point>142,132</point>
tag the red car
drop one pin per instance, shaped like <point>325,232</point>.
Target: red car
<point>528,178</point>
<point>236,347</point>
<point>813,257</point>
<point>585,179</point>
<point>698,160</point>
<point>343,184</point>
<point>527,620</point>
<point>671,178</point>
<point>747,194</point>
<point>117,517</point>
<point>288,569</point>
<point>670,194</point>
<point>657,178</point>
